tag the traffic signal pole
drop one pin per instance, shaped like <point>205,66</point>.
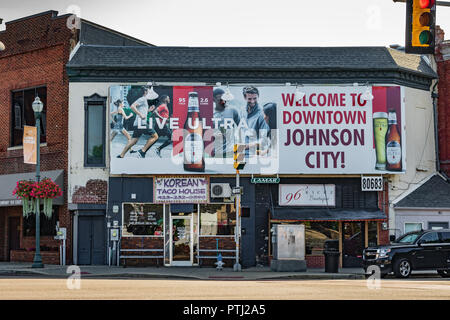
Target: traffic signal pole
<point>237,266</point>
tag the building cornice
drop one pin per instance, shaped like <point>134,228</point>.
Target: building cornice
<point>397,76</point>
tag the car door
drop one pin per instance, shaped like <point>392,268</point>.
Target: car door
<point>445,237</point>
<point>430,255</point>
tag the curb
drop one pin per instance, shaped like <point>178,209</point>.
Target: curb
<point>188,277</point>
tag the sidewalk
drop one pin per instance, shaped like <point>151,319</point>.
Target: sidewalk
<point>204,273</point>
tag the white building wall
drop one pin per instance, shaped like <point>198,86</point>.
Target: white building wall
<point>78,174</point>
<point>420,148</point>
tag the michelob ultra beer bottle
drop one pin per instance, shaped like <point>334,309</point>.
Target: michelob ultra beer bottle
<point>393,144</point>
<point>194,159</point>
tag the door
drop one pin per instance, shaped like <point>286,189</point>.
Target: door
<point>181,237</point>
<point>91,240</point>
<point>353,240</point>
<point>430,255</point>
<point>14,234</point>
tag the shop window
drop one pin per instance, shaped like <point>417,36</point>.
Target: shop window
<point>217,219</point>
<point>142,219</point>
<point>316,233</point>
<point>95,118</point>
<point>48,225</point>
<point>413,226</point>
<point>373,234</point>
<point>23,114</point>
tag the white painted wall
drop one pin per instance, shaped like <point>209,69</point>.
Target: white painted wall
<point>78,174</point>
<point>420,148</point>
<point>419,216</point>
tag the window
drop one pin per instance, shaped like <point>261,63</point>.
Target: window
<point>95,118</point>
<point>48,226</point>
<point>413,226</point>
<point>217,219</point>
<point>316,233</point>
<point>23,114</point>
<point>373,233</point>
<point>431,237</point>
<point>445,237</point>
<point>437,225</point>
<point>142,219</point>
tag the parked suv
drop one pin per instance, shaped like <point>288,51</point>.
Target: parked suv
<point>418,250</point>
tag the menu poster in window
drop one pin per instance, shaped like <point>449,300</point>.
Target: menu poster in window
<point>322,195</point>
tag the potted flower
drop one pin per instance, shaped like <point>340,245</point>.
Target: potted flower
<point>46,190</point>
<point>28,191</point>
<point>23,191</point>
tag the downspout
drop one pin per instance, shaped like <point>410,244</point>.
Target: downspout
<point>434,96</point>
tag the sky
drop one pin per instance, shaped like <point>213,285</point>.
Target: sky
<point>239,22</point>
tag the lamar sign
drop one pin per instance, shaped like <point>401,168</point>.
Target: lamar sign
<point>265,180</point>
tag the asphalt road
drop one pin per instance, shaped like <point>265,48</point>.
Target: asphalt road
<point>138,289</point>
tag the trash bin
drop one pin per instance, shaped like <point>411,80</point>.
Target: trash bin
<point>331,252</point>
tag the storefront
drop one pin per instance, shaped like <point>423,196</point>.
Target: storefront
<point>17,232</point>
<point>313,128</point>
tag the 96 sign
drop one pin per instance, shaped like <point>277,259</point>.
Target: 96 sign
<point>372,183</point>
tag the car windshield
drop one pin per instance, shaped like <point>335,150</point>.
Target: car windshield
<point>408,238</point>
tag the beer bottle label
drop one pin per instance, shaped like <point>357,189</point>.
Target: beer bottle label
<point>393,153</point>
<point>193,148</point>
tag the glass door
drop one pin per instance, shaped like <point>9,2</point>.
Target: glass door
<point>353,235</point>
<point>182,240</point>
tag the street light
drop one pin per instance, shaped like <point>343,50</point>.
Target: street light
<point>37,108</point>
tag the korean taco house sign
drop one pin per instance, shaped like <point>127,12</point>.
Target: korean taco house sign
<point>191,130</point>
<point>181,189</point>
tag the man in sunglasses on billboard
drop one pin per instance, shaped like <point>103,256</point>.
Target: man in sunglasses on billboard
<point>254,117</point>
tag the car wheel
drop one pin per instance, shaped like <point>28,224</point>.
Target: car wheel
<point>444,273</point>
<point>402,268</point>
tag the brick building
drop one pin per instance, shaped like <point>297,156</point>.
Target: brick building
<point>443,68</point>
<point>37,49</point>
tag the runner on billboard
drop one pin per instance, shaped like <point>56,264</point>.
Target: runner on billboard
<point>119,117</point>
<point>140,126</point>
<point>162,112</point>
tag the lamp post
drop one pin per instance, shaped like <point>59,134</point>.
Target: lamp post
<point>37,108</point>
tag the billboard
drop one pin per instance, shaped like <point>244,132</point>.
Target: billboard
<point>192,129</point>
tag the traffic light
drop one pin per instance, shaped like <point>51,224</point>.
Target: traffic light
<point>420,26</point>
<point>239,156</point>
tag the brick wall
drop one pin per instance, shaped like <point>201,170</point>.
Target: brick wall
<point>37,49</point>
<point>142,243</point>
<point>48,257</point>
<point>383,204</point>
<point>315,261</point>
<point>95,191</point>
<point>443,68</point>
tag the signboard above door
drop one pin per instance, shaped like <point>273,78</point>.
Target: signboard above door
<point>323,195</point>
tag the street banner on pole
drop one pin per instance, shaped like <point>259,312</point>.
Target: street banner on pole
<point>29,144</point>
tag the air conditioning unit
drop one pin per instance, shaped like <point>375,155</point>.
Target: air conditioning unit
<point>220,190</point>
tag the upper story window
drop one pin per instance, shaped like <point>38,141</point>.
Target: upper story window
<point>23,114</point>
<point>94,139</point>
